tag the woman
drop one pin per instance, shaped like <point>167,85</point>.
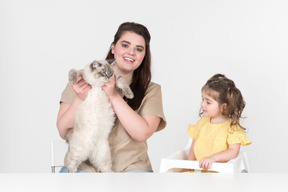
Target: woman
<point>138,118</point>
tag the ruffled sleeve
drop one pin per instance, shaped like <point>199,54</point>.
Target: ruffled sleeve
<point>238,136</point>
<point>193,130</point>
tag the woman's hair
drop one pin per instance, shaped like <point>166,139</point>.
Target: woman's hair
<point>223,90</point>
<point>142,75</point>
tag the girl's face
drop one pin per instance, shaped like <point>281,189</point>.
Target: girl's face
<point>209,106</point>
<point>129,52</point>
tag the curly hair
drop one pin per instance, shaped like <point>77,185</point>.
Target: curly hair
<point>227,93</point>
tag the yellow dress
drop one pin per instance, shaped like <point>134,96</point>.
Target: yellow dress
<point>215,138</point>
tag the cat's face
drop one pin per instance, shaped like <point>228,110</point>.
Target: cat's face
<point>98,71</point>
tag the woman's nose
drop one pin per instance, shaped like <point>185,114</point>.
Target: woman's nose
<point>131,51</point>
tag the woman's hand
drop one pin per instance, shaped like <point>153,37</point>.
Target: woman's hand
<point>207,162</point>
<point>81,88</point>
<point>109,87</point>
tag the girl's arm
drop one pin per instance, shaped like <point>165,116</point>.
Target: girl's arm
<point>231,153</point>
<point>191,156</point>
<point>67,113</point>
<point>191,152</point>
<point>138,127</point>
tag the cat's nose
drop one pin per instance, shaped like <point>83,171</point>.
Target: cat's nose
<point>109,72</point>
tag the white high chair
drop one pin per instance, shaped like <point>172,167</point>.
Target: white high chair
<point>58,151</point>
<point>178,162</point>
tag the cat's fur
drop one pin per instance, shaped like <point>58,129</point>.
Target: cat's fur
<point>95,118</point>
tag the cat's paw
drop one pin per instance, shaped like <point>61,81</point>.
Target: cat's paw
<point>128,93</point>
<point>73,75</point>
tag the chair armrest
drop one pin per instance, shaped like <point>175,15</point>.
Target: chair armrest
<point>177,165</point>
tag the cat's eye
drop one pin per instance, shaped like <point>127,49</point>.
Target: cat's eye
<point>96,65</point>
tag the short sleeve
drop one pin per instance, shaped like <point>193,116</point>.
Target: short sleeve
<point>152,104</point>
<point>193,132</point>
<point>238,136</point>
<point>68,95</point>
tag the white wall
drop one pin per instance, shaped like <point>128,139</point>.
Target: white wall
<point>40,41</point>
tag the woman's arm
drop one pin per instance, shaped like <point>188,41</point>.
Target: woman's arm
<point>138,127</point>
<point>231,153</point>
<point>67,113</point>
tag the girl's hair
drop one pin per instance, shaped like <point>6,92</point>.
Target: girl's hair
<point>226,92</point>
<point>142,75</point>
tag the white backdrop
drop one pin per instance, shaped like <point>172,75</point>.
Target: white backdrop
<point>40,41</point>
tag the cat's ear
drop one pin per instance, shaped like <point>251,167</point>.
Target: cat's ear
<point>94,65</point>
<point>73,75</point>
<point>110,61</point>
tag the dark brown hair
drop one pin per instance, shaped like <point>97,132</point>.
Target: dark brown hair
<point>142,75</point>
<point>227,93</point>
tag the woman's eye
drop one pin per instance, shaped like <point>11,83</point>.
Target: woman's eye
<point>139,50</point>
<point>124,45</point>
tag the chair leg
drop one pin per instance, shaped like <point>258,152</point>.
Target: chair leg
<point>53,169</point>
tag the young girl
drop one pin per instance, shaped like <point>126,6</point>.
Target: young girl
<point>217,136</point>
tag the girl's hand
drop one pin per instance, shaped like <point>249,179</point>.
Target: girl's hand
<point>81,88</point>
<point>109,87</point>
<point>207,162</point>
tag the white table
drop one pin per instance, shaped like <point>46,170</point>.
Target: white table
<point>138,182</point>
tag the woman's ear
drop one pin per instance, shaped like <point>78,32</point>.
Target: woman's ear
<point>112,48</point>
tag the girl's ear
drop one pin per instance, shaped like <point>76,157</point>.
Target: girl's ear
<point>223,107</point>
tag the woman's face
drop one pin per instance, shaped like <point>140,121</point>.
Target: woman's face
<point>129,52</point>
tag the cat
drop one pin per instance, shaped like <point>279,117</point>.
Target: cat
<point>95,118</point>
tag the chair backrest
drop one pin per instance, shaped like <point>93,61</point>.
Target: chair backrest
<point>58,151</point>
<point>240,163</point>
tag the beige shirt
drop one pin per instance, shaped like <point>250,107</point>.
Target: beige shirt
<point>128,154</point>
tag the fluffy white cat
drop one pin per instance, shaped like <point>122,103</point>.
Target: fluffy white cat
<point>95,118</point>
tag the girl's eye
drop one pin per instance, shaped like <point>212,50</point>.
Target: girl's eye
<point>124,45</point>
<point>139,50</point>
